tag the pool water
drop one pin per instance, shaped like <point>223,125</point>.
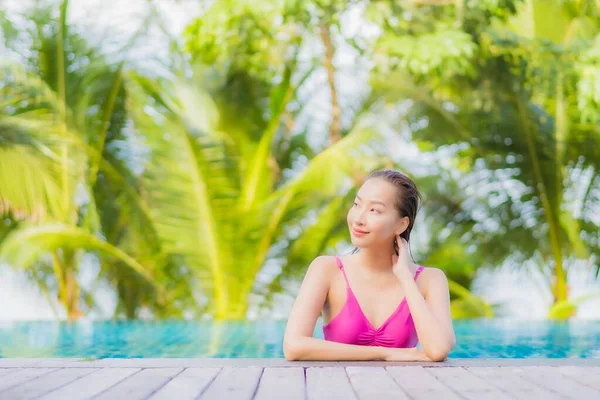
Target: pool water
<point>489,338</point>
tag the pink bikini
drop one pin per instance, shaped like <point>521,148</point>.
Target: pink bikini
<point>351,326</point>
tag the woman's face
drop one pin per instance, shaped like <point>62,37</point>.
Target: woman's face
<point>373,218</point>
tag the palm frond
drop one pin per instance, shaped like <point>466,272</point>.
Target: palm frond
<point>187,184</point>
<point>326,228</point>
<point>24,246</point>
<point>24,90</point>
<point>29,172</point>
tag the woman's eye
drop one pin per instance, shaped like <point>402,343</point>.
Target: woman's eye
<point>375,210</point>
<point>355,204</point>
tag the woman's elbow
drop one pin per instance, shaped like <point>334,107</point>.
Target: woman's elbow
<point>291,350</point>
<point>437,356</point>
<point>441,353</point>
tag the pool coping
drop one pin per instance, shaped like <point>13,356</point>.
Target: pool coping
<point>280,362</point>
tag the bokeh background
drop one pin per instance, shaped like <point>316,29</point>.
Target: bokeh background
<point>168,159</point>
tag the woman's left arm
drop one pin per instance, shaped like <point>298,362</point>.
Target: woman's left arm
<point>430,314</point>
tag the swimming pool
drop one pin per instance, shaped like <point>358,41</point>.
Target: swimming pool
<point>493,338</point>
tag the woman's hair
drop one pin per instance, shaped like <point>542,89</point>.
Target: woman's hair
<point>408,198</point>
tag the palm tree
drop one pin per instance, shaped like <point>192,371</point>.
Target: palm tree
<point>222,179</point>
<point>210,186</point>
<point>214,43</point>
<point>61,106</point>
<point>515,99</point>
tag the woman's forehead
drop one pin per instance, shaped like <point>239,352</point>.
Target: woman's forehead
<point>377,189</point>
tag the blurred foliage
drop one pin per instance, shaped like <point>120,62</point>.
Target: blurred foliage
<point>205,189</point>
<point>508,88</point>
<point>62,115</point>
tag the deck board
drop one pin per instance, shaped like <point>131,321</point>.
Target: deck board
<point>189,384</point>
<point>45,383</point>
<point>275,381</point>
<point>374,383</point>
<point>6,371</point>
<point>140,385</point>
<point>92,384</point>
<point>51,379</point>
<point>469,386</point>
<point>419,384</point>
<point>7,381</point>
<point>328,383</point>
<point>234,384</point>
<point>589,376</point>
<point>552,379</point>
<point>508,380</point>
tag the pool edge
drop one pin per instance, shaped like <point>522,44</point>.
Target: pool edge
<point>279,362</point>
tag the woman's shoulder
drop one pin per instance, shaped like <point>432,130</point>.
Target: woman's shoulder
<point>434,272</point>
<point>324,263</point>
<point>432,276</point>
<point>431,272</point>
<point>322,268</point>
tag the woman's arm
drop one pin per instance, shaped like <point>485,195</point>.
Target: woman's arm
<point>312,349</point>
<point>431,315</point>
<point>298,343</point>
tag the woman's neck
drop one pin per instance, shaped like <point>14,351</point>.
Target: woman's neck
<point>376,260</point>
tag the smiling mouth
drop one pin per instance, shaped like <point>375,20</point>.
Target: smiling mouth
<point>358,231</point>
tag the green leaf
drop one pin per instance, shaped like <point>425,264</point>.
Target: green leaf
<point>568,308</point>
<point>23,247</point>
<point>29,172</point>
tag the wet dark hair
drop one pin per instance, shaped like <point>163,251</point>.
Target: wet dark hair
<point>408,198</point>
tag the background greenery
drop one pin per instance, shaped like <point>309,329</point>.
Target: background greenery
<point>203,182</point>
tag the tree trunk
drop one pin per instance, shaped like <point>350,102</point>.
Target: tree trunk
<point>559,285</point>
<point>235,307</point>
<point>335,127</point>
<point>68,287</point>
<point>72,290</point>
<point>559,289</point>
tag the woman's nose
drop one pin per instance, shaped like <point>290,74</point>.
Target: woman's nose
<point>360,218</point>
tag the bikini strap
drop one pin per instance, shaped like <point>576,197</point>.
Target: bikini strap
<point>341,267</point>
<point>421,268</point>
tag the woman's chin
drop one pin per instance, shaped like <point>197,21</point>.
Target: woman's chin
<point>357,242</point>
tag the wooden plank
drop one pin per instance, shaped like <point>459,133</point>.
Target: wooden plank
<point>18,362</point>
<point>466,384</point>
<point>187,385</point>
<point>588,376</point>
<point>24,375</point>
<point>508,380</point>
<point>420,384</point>
<point>234,383</point>
<point>65,363</point>
<point>374,383</point>
<point>92,384</point>
<point>330,383</point>
<point>552,379</point>
<point>278,381</point>
<point>281,362</point>
<point>6,371</point>
<point>140,385</point>
<point>46,383</point>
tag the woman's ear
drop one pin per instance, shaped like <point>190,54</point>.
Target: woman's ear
<point>404,223</point>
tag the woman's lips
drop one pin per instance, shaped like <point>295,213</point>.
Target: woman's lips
<point>358,232</point>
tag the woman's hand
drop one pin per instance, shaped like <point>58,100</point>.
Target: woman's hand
<point>408,354</point>
<point>401,262</point>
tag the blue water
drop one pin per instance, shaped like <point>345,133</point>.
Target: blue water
<point>262,339</point>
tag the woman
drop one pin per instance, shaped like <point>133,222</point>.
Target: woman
<point>376,303</point>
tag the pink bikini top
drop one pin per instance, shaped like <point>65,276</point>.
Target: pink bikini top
<point>351,326</point>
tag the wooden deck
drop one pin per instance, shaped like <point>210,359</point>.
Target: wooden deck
<point>226,379</point>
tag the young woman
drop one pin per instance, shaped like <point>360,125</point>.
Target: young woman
<point>376,303</point>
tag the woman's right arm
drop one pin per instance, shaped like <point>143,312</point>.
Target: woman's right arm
<point>298,343</point>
